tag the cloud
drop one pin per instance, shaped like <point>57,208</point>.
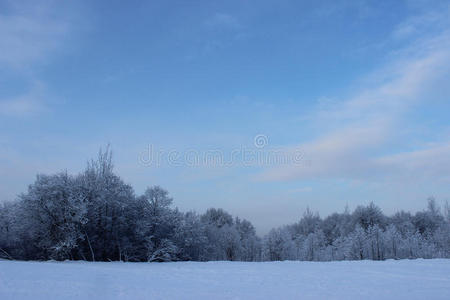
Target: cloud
<point>405,80</point>
<point>29,35</point>
<point>334,155</point>
<point>431,162</point>
<point>355,133</point>
<point>420,24</point>
<point>26,104</point>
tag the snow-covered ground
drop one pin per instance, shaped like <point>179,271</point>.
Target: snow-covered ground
<point>405,279</point>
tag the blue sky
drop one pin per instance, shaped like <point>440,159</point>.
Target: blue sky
<point>358,88</point>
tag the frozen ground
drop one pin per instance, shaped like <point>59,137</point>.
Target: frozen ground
<point>405,279</point>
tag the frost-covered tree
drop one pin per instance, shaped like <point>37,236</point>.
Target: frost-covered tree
<point>190,236</point>
<point>278,245</point>
<point>13,238</point>
<point>375,243</point>
<point>249,241</point>
<point>367,216</point>
<point>158,224</point>
<point>107,199</point>
<point>357,241</point>
<point>225,238</point>
<point>54,213</point>
<point>392,242</point>
<point>314,246</point>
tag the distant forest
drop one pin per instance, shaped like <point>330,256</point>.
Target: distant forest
<point>95,216</point>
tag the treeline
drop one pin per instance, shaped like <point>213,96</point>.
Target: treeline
<point>95,216</point>
<point>364,234</point>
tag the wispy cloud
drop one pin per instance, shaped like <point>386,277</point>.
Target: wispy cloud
<point>351,143</point>
<point>30,34</point>
<point>420,24</point>
<point>29,103</point>
<point>431,162</point>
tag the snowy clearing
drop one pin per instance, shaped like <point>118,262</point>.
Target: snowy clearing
<point>405,279</point>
